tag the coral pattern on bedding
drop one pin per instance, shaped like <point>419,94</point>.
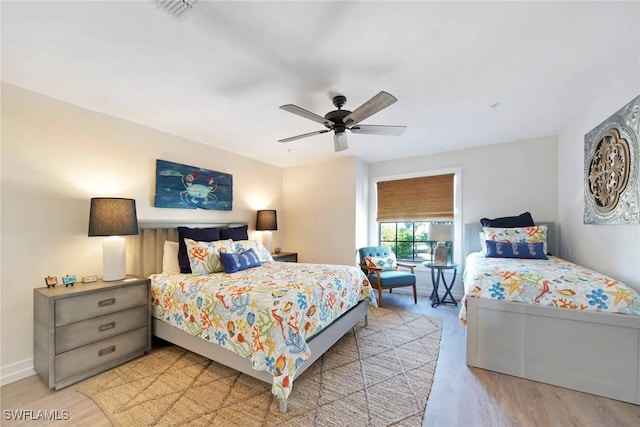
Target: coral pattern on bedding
<point>552,283</point>
<point>265,313</point>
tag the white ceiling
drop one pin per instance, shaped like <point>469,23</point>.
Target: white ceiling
<point>219,76</point>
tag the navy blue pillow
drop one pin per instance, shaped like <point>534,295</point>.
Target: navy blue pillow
<point>522,220</point>
<point>197,234</point>
<point>237,262</point>
<point>235,233</point>
<point>515,250</point>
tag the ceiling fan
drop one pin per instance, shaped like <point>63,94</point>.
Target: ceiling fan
<point>339,121</point>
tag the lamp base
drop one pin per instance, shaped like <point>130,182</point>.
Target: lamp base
<point>267,239</point>
<point>114,259</point>
<point>441,254</point>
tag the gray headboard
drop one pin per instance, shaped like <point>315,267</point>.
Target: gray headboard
<point>472,237</point>
<point>147,247</point>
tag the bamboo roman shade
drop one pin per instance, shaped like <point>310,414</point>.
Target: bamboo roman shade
<point>426,198</point>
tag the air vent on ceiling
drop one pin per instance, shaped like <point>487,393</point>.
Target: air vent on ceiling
<point>177,8</point>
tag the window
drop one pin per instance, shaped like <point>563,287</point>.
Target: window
<point>407,208</point>
<point>410,240</point>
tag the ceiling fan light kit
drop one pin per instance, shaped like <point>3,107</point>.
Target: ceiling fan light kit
<point>339,121</point>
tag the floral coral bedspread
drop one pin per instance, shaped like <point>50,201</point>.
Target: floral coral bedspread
<point>264,313</point>
<point>553,283</point>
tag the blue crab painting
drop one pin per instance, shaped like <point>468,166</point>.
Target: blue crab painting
<point>189,187</point>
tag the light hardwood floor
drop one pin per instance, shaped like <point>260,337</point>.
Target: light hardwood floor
<point>461,396</point>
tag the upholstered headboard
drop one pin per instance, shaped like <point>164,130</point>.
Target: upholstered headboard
<point>147,247</point>
<point>472,237</point>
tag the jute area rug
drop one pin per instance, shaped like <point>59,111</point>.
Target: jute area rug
<point>379,375</point>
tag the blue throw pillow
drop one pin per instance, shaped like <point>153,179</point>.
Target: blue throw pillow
<point>515,250</point>
<point>235,233</point>
<point>522,220</point>
<point>237,262</point>
<point>199,235</point>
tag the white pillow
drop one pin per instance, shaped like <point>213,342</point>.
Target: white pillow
<point>243,245</point>
<point>483,243</point>
<point>170,257</point>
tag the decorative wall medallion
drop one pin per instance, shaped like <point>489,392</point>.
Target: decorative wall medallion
<point>611,169</point>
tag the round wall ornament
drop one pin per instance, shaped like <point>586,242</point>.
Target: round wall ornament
<point>611,169</point>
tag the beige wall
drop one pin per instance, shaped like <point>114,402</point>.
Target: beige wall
<point>611,249</point>
<point>320,206</point>
<point>55,157</point>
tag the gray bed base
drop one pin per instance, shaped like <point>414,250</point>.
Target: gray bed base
<point>148,247</point>
<point>318,344</point>
<point>595,353</point>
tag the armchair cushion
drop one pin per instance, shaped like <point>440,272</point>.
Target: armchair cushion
<point>393,278</point>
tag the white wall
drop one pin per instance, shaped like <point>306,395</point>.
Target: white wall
<point>610,249</point>
<point>496,180</point>
<point>55,157</point>
<point>320,205</point>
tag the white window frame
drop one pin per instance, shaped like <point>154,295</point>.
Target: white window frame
<point>457,205</point>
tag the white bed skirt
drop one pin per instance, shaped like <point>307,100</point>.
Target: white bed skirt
<point>595,353</point>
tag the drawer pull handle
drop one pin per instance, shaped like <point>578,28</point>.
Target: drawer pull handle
<point>107,326</point>
<point>106,351</point>
<point>106,302</point>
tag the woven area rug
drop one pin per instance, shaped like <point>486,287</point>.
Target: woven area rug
<point>378,375</point>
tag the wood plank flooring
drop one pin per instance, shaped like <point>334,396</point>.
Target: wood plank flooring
<point>461,396</point>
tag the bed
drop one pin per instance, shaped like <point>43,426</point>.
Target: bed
<point>271,321</point>
<point>536,321</point>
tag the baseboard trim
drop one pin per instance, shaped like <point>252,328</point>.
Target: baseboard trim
<point>16,371</point>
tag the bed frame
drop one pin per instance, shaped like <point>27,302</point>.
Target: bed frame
<point>150,243</point>
<point>596,353</point>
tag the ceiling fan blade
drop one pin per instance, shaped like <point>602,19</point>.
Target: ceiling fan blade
<point>380,101</point>
<point>306,114</point>
<point>378,129</point>
<point>304,135</point>
<point>340,142</point>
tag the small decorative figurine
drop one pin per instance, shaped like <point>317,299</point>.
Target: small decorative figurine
<point>51,281</point>
<point>69,280</point>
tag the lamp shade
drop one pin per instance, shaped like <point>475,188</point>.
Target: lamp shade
<point>111,216</point>
<point>266,220</point>
<point>440,232</point>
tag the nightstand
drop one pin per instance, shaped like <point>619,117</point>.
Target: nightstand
<point>285,257</point>
<point>89,328</point>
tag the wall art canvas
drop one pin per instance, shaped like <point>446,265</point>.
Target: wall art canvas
<point>190,187</point>
<point>611,169</point>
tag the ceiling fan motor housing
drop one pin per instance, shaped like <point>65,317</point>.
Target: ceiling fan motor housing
<point>337,116</point>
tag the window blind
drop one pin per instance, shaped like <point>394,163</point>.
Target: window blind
<point>426,198</point>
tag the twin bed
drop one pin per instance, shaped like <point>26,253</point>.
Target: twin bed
<point>551,321</point>
<point>270,321</point>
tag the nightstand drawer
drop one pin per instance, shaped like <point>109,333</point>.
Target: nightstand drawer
<point>81,307</point>
<point>82,359</point>
<point>78,334</point>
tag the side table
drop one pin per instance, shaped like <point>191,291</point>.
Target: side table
<point>437,273</point>
<point>285,256</point>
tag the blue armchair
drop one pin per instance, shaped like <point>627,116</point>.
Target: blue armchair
<point>382,271</point>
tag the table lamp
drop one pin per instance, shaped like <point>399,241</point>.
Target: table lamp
<point>267,220</point>
<point>113,217</point>
<point>441,233</point>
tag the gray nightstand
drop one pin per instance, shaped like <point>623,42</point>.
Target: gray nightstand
<point>82,330</point>
<point>285,257</point>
